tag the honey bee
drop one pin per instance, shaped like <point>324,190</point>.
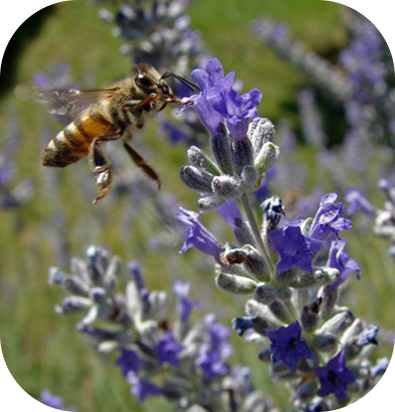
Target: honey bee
<point>105,115</point>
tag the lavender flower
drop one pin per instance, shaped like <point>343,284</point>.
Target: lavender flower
<point>136,325</point>
<point>338,259</point>
<point>128,361</point>
<point>54,401</point>
<point>197,235</point>
<point>357,203</point>
<point>335,377</point>
<point>328,221</point>
<point>294,299</point>
<point>220,104</point>
<point>287,345</point>
<point>294,248</point>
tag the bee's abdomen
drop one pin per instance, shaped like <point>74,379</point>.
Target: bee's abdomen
<point>73,142</point>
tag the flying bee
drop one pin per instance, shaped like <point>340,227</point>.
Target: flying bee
<point>105,115</point>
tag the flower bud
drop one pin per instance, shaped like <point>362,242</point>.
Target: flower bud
<point>266,158</point>
<point>325,342</point>
<point>56,276</point>
<point>220,147</point>
<point>73,304</point>
<point>285,278</point>
<point>329,297</point>
<point>234,256</point>
<point>235,284</point>
<point>310,316</point>
<point>339,322</point>
<point>259,132</point>
<point>199,159</point>
<point>111,276</point>
<point>242,154</point>
<point>76,286</point>
<point>228,187</point>
<point>255,265</point>
<point>280,311</point>
<point>196,179</point>
<point>250,178</point>
<point>98,295</point>
<point>284,294</point>
<point>265,355</point>
<point>307,391</point>
<point>243,233</point>
<point>210,202</point>
<point>241,324</point>
<point>261,324</point>
<point>265,294</point>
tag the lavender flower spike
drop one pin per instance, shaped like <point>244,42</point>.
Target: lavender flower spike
<point>185,305</point>
<point>219,103</point>
<point>197,235</point>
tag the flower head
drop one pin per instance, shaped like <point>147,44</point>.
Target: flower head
<point>334,377</point>
<point>218,103</point>
<point>287,345</point>
<point>328,220</point>
<point>197,235</point>
<point>168,349</point>
<point>294,248</point>
<point>338,259</point>
<point>128,361</point>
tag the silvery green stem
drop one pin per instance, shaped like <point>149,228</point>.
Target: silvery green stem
<point>255,230</point>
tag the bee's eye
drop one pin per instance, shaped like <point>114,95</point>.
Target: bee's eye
<point>143,80</point>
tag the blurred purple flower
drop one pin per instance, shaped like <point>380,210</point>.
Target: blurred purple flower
<point>214,353</point>
<point>287,345</point>
<point>219,103</point>
<point>357,203</point>
<point>168,349</point>
<point>53,401</point>
<point>338,259</point>
<point>334,377</point>
<point>197,235</point>
<point>174,134</point>
<point>328,220</point>
<point>185,305</point>
<point>294,248</point>
<point>142,388</point>
<point>128,361</point>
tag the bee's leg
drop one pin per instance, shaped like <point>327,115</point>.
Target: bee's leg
<point>140,162</point>
<point>100,166</point>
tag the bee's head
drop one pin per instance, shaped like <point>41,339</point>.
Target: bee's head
<point>149,80</point>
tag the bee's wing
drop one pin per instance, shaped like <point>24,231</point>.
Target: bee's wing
<point>67,101</point>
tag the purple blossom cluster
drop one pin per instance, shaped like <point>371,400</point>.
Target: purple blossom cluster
<point>158,32</point>
<point>178,358</point>
<point>293,269</point>
<point>359,85</point>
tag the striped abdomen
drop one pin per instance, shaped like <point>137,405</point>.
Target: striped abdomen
<point>73,142</point>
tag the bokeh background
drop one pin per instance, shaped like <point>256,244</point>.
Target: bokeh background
<point>46,216</point>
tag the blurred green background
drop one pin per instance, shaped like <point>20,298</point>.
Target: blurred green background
<point>41,349</point>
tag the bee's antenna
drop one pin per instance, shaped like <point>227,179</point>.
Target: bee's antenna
<point>193,86</point>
